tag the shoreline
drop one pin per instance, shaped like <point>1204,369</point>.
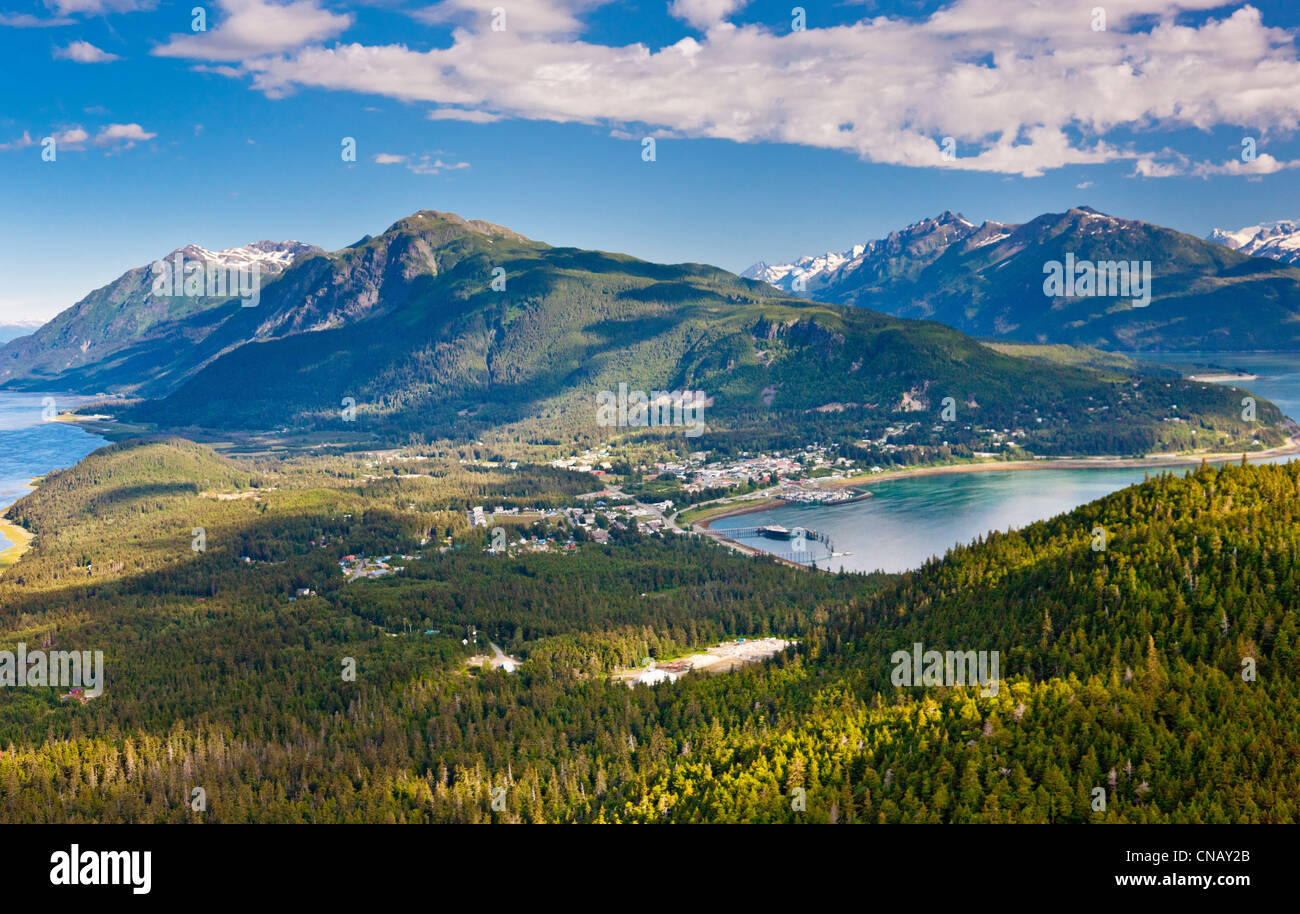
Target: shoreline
<point>1222,377</point>
<point>20,538</point>
<point>755,504</point>
<point>1158,461</point>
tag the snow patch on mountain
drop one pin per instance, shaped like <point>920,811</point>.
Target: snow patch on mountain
<point>991,239</point>
<point>270,256</point>
<point>811,272</point>
<point>1278,240</point>
<point>810,269</point>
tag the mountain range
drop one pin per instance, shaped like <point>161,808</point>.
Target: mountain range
<point>989,280</point>
<point>446,327</point>
<point>125,336</point>
<point>1277,240</point>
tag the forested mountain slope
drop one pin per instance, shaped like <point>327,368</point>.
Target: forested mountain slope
<point>1122,669</point>
<point>488,334</point>
<point>988,280</point>
<point>139,333</point>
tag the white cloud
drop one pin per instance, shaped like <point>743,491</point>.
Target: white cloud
<point>28,21</point>
<point>1263,164</point>
<point>1022,86</point>
<point>84,52</point>
<point>254,27</point>
<point>704,14</point>
<point>125,135</point>
<point>99,7</point>
<point>73,137</point>
<point>427,166</point>
<point>522,17</point>
<point>21,143</point>
<point>420,165</point>
<point>460,114</point>
<point>1148,167</point>
<point>222,70</point>
<point>1171,164</point>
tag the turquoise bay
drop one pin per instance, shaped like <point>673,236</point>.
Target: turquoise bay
<point>910,520</point>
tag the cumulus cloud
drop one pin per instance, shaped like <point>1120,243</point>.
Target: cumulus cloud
<point>84,52</point>
<point>73,136</point>
<point>21,142</point>
<point>1021,86</point>
<point>522,17</point>
<point>28,21</point>
<point>251,28</point>
<point>99,7</point>
<point>123,135</point>
<point>460,114</point>
<point>1170,164</point>
<point>425,165</point>
<point>1151,167</point>
<point>704,14</point>
<point>420,165</point>
<point>1263,164</point>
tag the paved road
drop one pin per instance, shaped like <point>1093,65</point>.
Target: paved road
<point>667,521</point>
<point>500,658</point>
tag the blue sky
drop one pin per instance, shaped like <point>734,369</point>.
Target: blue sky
<point>770,142</point>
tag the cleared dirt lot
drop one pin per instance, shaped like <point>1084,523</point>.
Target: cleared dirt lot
<point>721,658</point>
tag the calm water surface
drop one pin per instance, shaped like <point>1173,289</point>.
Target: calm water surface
<point>910,520</point>
<point>30,446</point>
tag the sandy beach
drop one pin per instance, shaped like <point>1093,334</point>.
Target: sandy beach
<point>20,538</point>
<point>1223,377</point>
<point>17,535</point>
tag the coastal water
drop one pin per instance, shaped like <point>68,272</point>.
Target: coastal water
<point>1278,372</point>
<point>912,519</point>
<point>32,445</point>
<point>908,520</point>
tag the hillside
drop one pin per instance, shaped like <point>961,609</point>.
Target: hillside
<point>409,326</point>
<point>132,335</point>
<point>989,280</point>
<point>1162,671</point>
<point>1120,670</point>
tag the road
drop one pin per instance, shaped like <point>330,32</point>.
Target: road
<point>668,522</point>
<point>501,659</point>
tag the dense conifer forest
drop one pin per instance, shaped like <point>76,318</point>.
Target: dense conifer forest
<point>1161,669</point>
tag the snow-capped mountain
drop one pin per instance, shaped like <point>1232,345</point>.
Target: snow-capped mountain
<point>270,256</point>
<point>921,241</point>
<point>798,276</point>
<point>128,312</point>
<point>1279,240</point>
<point>988,281</point>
